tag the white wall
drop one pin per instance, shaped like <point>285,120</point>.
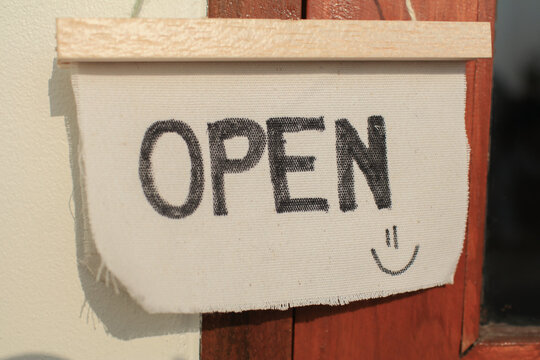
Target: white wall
<point>51,308</point>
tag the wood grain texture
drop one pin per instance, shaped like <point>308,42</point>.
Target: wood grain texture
<point>490,351</point>
<point>478,129</point>
<point>502,341</point>
<point>102,40</point>
<point>253,335</point>
<point>432,10</point>
<point>425,324</point>
<point>501,333</point>
<point>260,9</point>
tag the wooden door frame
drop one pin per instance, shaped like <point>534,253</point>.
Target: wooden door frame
<point>271,334</point>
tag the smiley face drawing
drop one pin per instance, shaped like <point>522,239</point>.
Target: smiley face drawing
<point>396,246</point>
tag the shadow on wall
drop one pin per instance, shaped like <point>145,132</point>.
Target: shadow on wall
<point>34,356</point>
<point>120,315</point>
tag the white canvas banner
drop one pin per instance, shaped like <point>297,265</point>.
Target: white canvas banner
<point>236,186</point>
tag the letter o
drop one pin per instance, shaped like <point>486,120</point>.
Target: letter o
<point>196,186</point>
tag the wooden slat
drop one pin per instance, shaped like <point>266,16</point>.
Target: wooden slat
<point>490,351</point>
<point>478,129</point>
<point>102,40</point>
<point>501,333</point>
<point>502,341</point>
<point>425,324</point>
<point>254,335</point>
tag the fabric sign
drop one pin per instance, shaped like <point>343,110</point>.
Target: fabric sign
<point>257,185</point>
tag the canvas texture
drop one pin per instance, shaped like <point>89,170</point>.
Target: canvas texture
<point>267,185</point>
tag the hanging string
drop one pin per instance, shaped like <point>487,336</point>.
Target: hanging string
<point>137,8</point>
<point>410,10</point>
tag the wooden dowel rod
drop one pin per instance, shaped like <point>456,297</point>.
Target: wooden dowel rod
<point>106,40</point>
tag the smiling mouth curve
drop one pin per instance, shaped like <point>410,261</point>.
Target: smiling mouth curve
<point>392,272</point>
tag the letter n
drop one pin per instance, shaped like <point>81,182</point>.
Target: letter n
<point>371,161</point>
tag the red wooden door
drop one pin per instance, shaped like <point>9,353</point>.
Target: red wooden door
<point>439,323</point>
<point>427,324</point>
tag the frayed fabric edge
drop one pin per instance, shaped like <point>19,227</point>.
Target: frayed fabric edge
<point>278,305</point>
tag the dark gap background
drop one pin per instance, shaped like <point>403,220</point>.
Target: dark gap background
<point>512,256</point>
